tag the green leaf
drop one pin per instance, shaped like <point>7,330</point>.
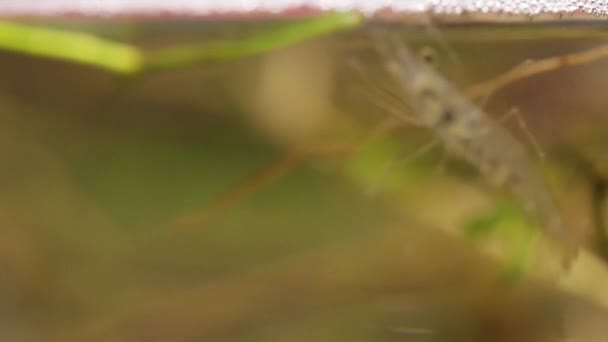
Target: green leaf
<point>221,51</point>
<point>70,46</point>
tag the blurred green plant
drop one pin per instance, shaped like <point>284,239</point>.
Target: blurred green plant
<point>505,214</point>
<point>508,220</point>
<point>70,46</point>
<point>128,59</point>
<point>388,164</point>
<point>286,34</point>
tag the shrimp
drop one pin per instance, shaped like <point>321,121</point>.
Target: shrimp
<point>466,131</point>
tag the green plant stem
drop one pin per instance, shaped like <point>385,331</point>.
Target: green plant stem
<point>70,46</point>
<point>293,32</point>
<point>128,59</point>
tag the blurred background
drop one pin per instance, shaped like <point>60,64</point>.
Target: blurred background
<point>263,198</point>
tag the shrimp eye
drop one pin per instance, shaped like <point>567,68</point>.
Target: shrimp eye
<point>428,55</point>
<point>447,117</point>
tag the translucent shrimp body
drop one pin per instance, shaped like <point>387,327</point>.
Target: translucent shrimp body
<point>468,132</point>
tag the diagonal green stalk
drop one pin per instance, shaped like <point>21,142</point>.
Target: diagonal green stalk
<point>70,46</point>
<point>290,33</point>
<point>127,59</point>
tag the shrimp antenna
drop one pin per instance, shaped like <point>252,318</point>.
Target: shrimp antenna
<point>436,34</point>
<point>389,48</point>
<point>384,97</point>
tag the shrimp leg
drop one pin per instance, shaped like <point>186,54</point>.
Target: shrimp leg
<point>530,68</point>
<point>514,112</point>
